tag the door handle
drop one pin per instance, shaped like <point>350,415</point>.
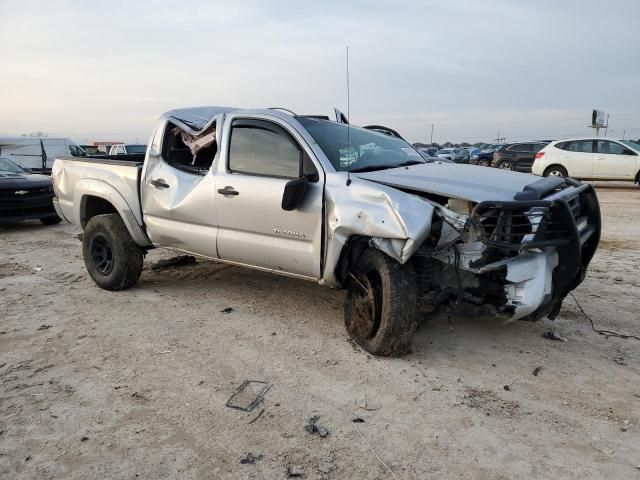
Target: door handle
<point>159,183</point>
<point>599,158</point>
<point>228,190</point>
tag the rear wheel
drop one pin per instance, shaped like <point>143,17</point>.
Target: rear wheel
<point>112,258</point>
<point>484,163</point>
<point>555,171</point>
<point>505,165</point>
<point>380,308</point>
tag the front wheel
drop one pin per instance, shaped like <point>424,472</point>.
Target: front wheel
<point>112,258</point>
<point>484,163</point>
<point>380,308</point>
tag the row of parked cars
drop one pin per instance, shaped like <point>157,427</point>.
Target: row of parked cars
<point>583,158</point>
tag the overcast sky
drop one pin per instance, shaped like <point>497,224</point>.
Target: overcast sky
<point>103,70</point>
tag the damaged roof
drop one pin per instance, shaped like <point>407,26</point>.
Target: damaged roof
<point>198,117</point>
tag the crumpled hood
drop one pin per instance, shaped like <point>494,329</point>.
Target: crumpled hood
<point>468,182</point>
<point>10,180</point>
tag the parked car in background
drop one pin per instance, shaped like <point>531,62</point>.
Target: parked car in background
<point>125,149</point>
<point>590,158</point>
<point>484,157</point>
<point>472,151</point>
<point>445,153</point>
<point>37,153</point>
<point>517,156</point>
<point>25,195</point>
<point>458,155</point>
<point>431,159</point>
<point>429,151</point>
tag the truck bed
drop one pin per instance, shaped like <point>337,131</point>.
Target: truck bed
<point>117,177</point>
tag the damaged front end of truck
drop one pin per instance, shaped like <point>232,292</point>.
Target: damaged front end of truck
<point>515,260</point>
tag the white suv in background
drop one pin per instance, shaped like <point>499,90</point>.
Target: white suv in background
<point>589,158</point>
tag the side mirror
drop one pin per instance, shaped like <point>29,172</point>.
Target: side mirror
<point>293,194</point>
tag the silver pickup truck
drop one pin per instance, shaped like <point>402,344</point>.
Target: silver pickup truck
<point>344,206</point>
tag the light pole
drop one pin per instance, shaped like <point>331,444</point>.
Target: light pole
<point>431,138</point>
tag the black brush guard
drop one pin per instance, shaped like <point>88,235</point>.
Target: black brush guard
<point>552,212</point>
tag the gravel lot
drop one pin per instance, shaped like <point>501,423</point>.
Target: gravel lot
<point>133,384</point>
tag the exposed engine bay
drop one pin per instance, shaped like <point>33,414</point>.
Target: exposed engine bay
<point>515,260</point>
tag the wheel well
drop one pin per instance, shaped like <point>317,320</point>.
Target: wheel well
<point>555,165</point>
<point>349,256</point>
<point>637,180</point>
<point>95,206</point>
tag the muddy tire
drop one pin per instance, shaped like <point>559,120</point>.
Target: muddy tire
<point>112,258</point>
<point>380,308</point>
<point>52,220</point>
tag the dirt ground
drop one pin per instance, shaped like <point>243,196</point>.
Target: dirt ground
<point>133,384</point>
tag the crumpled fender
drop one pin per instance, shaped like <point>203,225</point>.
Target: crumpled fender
<point>397,222</point>
<point>96,188</point>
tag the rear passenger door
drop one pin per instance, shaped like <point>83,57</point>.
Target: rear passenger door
<point>523,158</point>
<point>260,157</point>
<point>577,158</point>
<point>613,160</point>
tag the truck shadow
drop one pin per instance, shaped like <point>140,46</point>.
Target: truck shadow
<point>321,308</point>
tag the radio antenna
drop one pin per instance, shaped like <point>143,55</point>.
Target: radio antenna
<point>348,118</point>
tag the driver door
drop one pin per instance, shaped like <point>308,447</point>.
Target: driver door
<point>261,157</point>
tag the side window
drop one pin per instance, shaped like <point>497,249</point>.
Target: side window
<point>581,146</point>
<point>521,147</point>
<point>609,147</point>
<point>260,148</point>
<point>563,145</point>
<point>539,146</point>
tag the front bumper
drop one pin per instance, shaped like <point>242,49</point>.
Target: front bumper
<point>34,204</point>
<point>554,250</point>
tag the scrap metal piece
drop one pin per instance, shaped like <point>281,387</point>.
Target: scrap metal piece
<point>248,395</point>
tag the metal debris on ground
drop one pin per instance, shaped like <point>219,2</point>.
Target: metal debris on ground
<point>250,459</point>
<point>293,471</point>
<point>620,361</point>
<point>601,447</point>
<point>365,404</point>
<point>376,454</point>
<point>44,327</point>
<point>312,427</point>
<point>536,371</point>
<point>248,395</point>
<point>552,335</point>
<point>226,310</point>
<point>256,417</point>
<point>178,261</point>
<point>358,420</point>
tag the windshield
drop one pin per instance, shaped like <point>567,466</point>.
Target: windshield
<point>634,145</point>
<point>8,166</point>
<point>136,149</point>
<point>355,149</point>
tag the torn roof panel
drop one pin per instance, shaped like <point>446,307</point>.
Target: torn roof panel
<point>198,117</point>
